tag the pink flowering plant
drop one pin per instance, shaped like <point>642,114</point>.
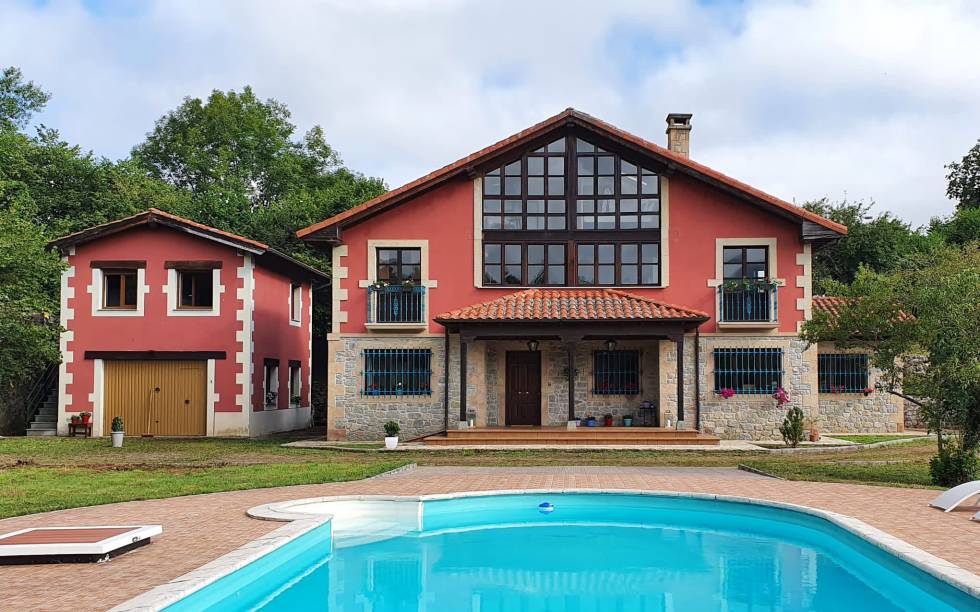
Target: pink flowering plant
<point>727,392</point>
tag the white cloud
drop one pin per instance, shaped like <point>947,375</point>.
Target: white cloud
<point>803,99</point>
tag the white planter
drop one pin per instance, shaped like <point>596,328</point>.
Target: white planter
<point>391,442</point>
<point>117,439</point>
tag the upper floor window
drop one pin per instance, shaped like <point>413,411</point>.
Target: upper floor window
<point>593,208</point>
<point>196,289</point>
<point>295,302</point>
<point>524,264</point>
<point>399,265</point>
<point>119,289</point>
<point>529,193</point>
<point>618,264</point>
<point>746,262</point>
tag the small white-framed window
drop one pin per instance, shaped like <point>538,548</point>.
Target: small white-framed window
<point>295,303</point>
<point>118,288</point>
<point>193,288</point>
<point>295,384</point>
<point>270,384</point>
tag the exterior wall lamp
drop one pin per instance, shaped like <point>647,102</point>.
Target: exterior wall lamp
<point>532,345</point>
<point>610,345</point>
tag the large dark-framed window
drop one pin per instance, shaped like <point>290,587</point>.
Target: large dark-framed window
<point>842,372</point>
<point>753,371</point>
<point>398,265</point>
<point>616,372</point>
<point>745,262</point>
<point>397,372</point>
<point>618,263</point>
<point>570,190</point>
<point>524,264</point>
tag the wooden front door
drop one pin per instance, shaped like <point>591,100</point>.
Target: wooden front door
<point>523,403</point>
<point>162,398</point>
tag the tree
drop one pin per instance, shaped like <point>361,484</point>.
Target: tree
<point>920,326</point>
<point>19,99</point>
<point>236,155</point>
<point>960,228</point>
<point>963,180</point>
<point>882,243</point>
<point>29,280</point>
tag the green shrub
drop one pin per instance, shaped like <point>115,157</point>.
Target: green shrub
<point>392,429</point>
<point>117,424</point>
<point>792,427</point>
<point>953,465</point>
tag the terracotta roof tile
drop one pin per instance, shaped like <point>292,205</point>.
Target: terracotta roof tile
<point>570,114</point>
<point>572,304</point>
<point>829,304</point>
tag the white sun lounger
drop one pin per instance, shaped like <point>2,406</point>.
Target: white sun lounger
<point>956,496</point>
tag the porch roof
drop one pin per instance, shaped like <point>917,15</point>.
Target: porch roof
<point>565,305</point>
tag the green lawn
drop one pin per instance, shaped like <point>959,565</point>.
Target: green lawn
<point>38,474</point>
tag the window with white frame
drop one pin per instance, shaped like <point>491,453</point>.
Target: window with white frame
<point>295,383</point>
<point>270,385</point>
<point>295,302</point>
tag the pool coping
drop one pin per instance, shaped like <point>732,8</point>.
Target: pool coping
<point>299,523</point>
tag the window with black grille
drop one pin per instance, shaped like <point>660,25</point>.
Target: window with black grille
<point>616,372</point>
<point>397,372</point>
<point>748,370</point>
<point>842,373</point>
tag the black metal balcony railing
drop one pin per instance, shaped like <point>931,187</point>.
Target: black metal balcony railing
<point>396,304</point>
<point>752,304</point>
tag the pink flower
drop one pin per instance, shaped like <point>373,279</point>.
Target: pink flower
<point>781,396</point>
<point>727,393</point>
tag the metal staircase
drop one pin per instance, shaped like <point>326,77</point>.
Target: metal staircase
<point>42,401</point>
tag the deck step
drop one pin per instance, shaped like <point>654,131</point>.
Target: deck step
<point>42,432</point>
<point>560,436</point>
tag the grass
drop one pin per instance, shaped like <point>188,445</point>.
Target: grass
<point>38,474</point>
<point>871,438</point>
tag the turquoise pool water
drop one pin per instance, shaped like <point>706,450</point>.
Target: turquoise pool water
<point>620,553</point>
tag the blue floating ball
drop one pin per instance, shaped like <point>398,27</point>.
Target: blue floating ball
<point>545,508</point>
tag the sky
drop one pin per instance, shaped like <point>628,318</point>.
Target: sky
<point>863,100</point>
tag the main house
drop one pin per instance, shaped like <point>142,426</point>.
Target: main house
<point>576,270</point>
<point>182,329</point>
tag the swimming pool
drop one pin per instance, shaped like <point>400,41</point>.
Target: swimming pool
<point>619,552</point>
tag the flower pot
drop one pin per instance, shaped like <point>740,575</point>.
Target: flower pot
<point>627,421</point>
<point>76,420</point>
<point>86,419</point>
<point>117,439</point>
<point>391,442</point>
<point>608,421</point>
<point>814,435</point>
<point>590,423</point>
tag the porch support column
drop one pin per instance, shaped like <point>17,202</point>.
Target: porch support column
<point>462,378</point>
<point>570,349</point>
<point>679,342</point>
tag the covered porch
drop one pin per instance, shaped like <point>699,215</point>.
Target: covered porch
<point>533,366</point>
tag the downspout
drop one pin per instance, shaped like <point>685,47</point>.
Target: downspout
<point>445,380</point>
<point>697,378</point>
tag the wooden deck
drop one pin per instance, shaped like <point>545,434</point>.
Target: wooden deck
<point>582,436</point>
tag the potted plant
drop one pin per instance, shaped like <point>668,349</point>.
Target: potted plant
<point>607,420</point>
<point>627,420</point>
<point>374,390</point>
<point>117,432</point>
<point>589,421</point>
<point>75,419</point>
<point>391,435</point>
<point>408,286</point>
<point>86,417</point>
<point>812,424</point>
<point>867,391</point>
<point>727,393</point>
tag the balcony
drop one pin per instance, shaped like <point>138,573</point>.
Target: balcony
<point>396,306</point>
<point>751,304</point>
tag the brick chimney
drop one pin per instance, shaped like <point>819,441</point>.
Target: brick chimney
<point>679,133</point>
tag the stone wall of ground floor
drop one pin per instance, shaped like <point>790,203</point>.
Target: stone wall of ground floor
<point>354,415</point>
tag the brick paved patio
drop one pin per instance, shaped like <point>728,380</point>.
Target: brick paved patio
<point>200,528</point>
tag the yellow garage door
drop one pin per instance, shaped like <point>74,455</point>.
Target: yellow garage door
<point>160,398</point>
